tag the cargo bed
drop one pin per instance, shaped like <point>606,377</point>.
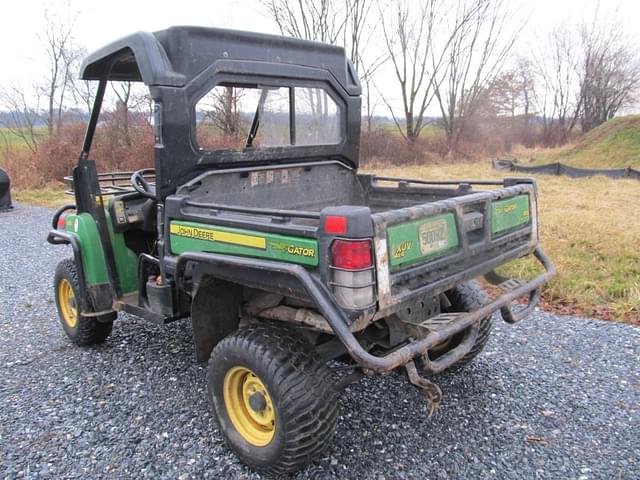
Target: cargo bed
<point>428,236</point>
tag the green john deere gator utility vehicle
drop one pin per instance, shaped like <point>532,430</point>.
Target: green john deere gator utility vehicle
<point>255,225</point>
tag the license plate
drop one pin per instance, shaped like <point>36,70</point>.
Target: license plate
<point>434,236</point>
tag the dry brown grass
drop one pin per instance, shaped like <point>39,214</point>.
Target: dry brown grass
<point>590,229</point>
<point>44,197</point>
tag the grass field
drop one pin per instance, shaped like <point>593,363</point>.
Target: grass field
<point>9,139</point>
<point>46,197</point>
<point>589,227</point>
<point>428,131</point>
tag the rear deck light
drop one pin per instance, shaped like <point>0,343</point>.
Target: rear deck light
<point>335,224</point>
<point>352,273</point>
<point>61,222</point>
<point>351,255</point>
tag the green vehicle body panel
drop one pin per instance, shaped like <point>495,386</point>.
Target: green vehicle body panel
<point>509,214</point>
<point>439,236</point>
<point>197,237</point>
<point>84,227</point>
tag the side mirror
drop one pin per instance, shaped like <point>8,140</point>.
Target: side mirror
<point>5,191</point>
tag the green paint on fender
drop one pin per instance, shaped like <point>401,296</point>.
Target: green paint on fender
<point>84,227</point>
<point>509,214</point>
<point>421,240</point>
<point>200,237</point>
<point>93,261</point>
<point>126,259</point>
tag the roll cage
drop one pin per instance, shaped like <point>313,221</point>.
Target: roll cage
<point>179,65</point>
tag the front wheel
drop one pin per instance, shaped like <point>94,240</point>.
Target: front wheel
<point>81,330</point>
<point>274,401</point>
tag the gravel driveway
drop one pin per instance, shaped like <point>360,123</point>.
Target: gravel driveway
<point>553,397</point>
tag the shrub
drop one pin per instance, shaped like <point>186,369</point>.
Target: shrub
<point>382,147</point>
<point>116,146</point>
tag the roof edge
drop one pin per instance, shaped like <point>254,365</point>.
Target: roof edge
<point>150,65</point>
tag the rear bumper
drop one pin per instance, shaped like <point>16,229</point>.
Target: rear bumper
<point>407,353</point>
<point>340,324</point>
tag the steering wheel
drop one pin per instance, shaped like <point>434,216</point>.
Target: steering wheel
<point>141,186</point>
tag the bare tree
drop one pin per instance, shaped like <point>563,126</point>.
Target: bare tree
<point>321,20</point>
<point>502,112</point>
<point>357,14</point>
<point>371,99</point>
<point>484,32</point>
<point>24,105</point>
<point>337,22</point>
<point>123,91</point>
<point>506,93</point>
<point>22,116</point>
<point>144,104</point>
<point>587,73</point>
<point>84,92</point>
<point>133,109</point>
<point>526,78</point>
<point>609,70</point>
<point>409,30</point>
<point>359,32</point>
<point>346,22</point>
<point>511,92</point>
<point>221,108</point>
<point>557,98</point>
<point>62,54</point>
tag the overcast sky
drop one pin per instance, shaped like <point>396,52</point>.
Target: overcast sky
<point>103,21</point>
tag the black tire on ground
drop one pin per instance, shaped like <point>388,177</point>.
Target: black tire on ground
<point>83,331</point>
<point>466,297</point>
<point>298,386</point>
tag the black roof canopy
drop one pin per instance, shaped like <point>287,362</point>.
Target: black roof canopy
<point>180,64</point>
<point>175,56</point>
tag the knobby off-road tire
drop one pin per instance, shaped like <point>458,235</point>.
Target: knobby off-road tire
<point>83,331</point>
<point>298,393</point>
<point>466,297</point>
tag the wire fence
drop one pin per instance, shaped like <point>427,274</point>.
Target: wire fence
<point>561,169</point>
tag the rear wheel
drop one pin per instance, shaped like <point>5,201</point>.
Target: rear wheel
<point>81,330</point>
<point>465,297</point>
<point>274,401</point>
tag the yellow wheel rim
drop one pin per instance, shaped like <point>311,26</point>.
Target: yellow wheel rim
<point>67,302</point>
<point>249,406</point>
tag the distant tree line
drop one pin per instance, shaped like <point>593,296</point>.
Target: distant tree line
<point>460,61</point>
<point>464,58</point>
<point>58,98</point>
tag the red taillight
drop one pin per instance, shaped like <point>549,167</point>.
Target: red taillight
<point>335,224</point>
<point>61,222</point>
<point>351,255</point>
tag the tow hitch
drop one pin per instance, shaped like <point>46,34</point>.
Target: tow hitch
<point>430,390</point>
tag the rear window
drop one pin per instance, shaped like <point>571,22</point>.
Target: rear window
<point>237,117</point>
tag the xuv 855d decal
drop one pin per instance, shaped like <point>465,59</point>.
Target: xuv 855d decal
<point>198,237</point>
<point>422,240</point>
